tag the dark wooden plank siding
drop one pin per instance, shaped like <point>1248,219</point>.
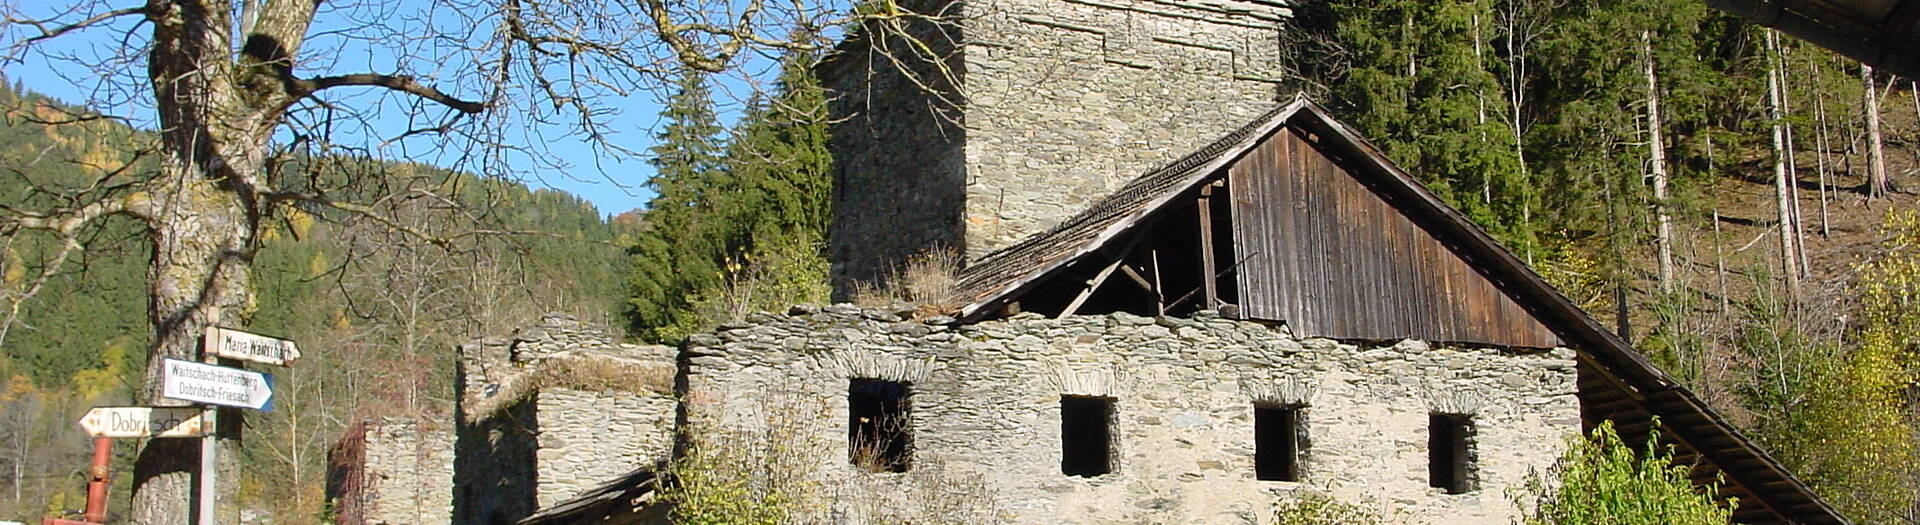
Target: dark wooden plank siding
<point>1329,256</point>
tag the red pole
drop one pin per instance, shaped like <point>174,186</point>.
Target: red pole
<point>97,482</point>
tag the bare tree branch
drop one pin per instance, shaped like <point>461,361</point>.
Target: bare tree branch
<point>50,31</point>
<point>401,83</point>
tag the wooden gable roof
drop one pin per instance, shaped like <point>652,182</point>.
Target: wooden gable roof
<point>1616,382</point>
<point>1328,251</point>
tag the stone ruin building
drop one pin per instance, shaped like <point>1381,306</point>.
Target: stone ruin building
<point>1187,296</point>
<point>542,416</point>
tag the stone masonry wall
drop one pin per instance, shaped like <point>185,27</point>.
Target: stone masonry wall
<point>897,145</point>
<point>986,403</point>
<point>1070,99</point>
<point>408,472</point>
<point>1058,103</point>
<point>588,438</point>
<point>557,409</point>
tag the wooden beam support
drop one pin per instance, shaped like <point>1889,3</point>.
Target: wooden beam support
<point>1140,280</point>
<point>1731,478</point>
<point>1607,373</point>
<point>1119,261</point>
<point>1092,285</point>
<point>1209,279</point>
<point>1159,290</point>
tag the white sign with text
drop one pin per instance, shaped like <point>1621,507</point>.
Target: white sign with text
<point>219,385</point>
<point>141,422</point>
<point>235,344</point>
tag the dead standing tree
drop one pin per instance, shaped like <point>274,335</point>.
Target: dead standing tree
<point>239,91</point>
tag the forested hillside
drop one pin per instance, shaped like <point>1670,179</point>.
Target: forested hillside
<point>376,305</point>
<point>739,220</point>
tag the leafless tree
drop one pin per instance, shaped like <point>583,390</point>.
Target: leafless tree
<point>1657,167</point>
<point>1877,185</point>
<point>1789,228</point>
<point>242,94</point>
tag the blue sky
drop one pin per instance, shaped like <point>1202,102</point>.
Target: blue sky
<point>613,182</point>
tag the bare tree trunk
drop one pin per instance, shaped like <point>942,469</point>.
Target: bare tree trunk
<point>1657,160</point>
<point>1782,197</point>
<point>1877,184</point>
<point>200,277</point>
<point>1824,144</point>
<point>1719,253</point>
<point>1480,108</point>
<point>1516,43</point>
<point>1797,222</point>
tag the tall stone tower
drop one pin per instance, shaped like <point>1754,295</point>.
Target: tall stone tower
<point>1012,115</point>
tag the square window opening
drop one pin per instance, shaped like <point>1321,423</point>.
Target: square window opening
<point>1450,461</point>
<point>1278,439</point>
<point>879,425</point>
<point>1086,435</point>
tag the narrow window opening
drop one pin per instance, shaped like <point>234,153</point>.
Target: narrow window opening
<point>1086,435</point>
<point>879,437</point>
<point>1277,441</point>
<point>1450,452</point>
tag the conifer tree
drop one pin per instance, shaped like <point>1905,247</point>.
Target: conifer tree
<point>775,199</point>
<point>1425,84</point>
<point>740,226</point>
<point>673,254</point>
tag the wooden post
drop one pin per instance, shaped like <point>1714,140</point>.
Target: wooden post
<point>1207,281</point>
<point>209,492</point>
<point>1159,291</point>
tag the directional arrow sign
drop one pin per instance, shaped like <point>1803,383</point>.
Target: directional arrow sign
<point>235,344</point>
<point>140,422</point>
<point>219,385</point>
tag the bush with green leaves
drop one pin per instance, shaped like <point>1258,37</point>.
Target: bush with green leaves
<point>1313,508</point>
<point>1602,480</point>
<point>737,479</point>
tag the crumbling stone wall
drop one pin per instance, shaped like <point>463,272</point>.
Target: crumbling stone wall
<point>557,409</point>
<point>406,476</point>
<point>986,402</point>
<point>591,437</point>
<point>1057,103</point>
<point>494,472</point>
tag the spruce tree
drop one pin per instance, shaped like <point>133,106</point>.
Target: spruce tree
<point>740,227</point>
<point>774,206</point>
<point>673,253</point>
<point>1425,84</point>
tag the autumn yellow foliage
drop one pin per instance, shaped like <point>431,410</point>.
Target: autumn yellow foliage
<point>1856,444</point>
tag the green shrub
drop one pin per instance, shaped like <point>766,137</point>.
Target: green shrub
<point>1600,480</point>
<point>1313,508</point>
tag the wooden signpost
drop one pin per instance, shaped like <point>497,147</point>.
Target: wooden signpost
<point>204,382</point>
<point>105,424</point>
<point>207,382</point>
